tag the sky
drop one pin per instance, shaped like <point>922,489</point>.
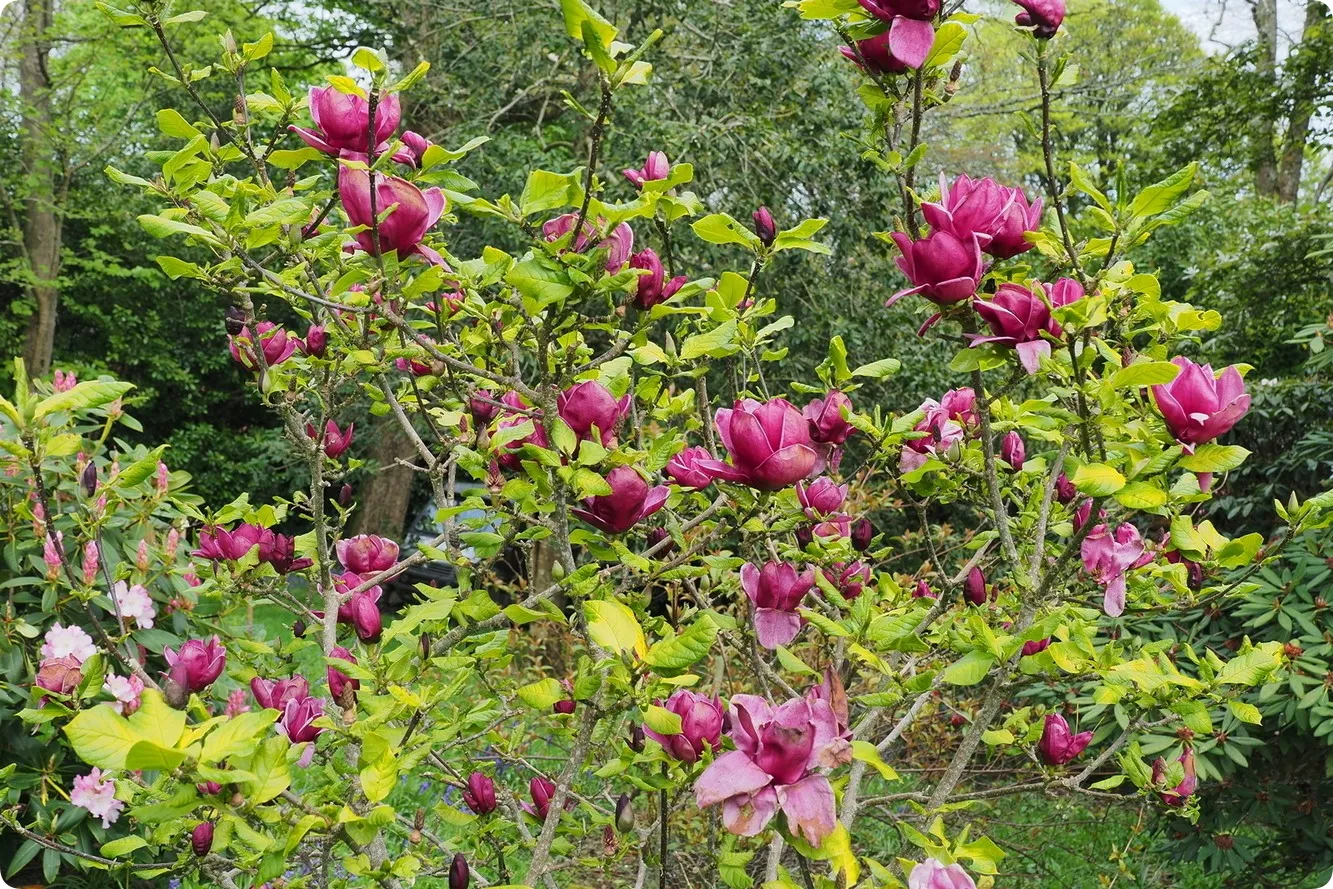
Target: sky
<point>1224,23</point>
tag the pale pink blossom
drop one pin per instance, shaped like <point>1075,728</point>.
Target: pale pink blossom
<point>135,603</point>
<point>96,792</point>
<point>126,690</point>
<point>91,559</point>
<point>69,641</point>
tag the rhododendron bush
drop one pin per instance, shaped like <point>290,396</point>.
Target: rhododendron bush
<point>744,653</point>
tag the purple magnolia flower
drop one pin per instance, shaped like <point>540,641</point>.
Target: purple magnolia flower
<point>630,501</point>
<point>619,244</point>
<point>974,588</point>
<point>776,590</point>
<point>654,169</point>
<point>279,550</point>
<point>342,121</point>
<point>888,10</point>
<point>1177,796</point>
<point>774,766</point>
<point>459,874</point>
<point>1199,406</point>
<point>822,497</point>
<point>1058,746</point>
<point>653,288</point>
<point>197,663</point>
<point>769,444</point>
<point>336,441</point>
<point>905,44</point>
<point>922,590</point>
<point>700,725</point>
<point>1036,646</point>
<point>862,533</point>
<point>825,415</point>
<point>997,215</point>
<point>364,613</point>
<point>1108,556</point>
<point>1017,317</point>
<point>1043,16</point>
<point>276,343</point>
<point>479,794</point>
<point>506,419</point>
<point>942,267</point>
<point>690,468</point>
<point>316,341</point>
<point>934,874</point>
<point>298,717</point>
<point>367,554</point>
<point>542,790</point>
<point>1065,491</point>
<point>274,694</point>
<point>1012,449</point>
<point>850,580</point>
<point>1065,291</point>
<point>764,226</point>
<point>414,212</point>
<point>945,424</point>
<point>338,680</point>
<point>590,405</point>
<point>413,150</point>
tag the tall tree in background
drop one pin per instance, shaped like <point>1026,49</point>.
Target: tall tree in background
<point>42,222</point>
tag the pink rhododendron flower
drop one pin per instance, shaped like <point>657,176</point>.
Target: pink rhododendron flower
<point>236,703</point>
<point>134,603</point>
<point>62,381</point>
<point>71,641</point>
<point>96,792</point>
<point>126,690</point>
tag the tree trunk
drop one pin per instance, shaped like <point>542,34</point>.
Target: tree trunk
<point>42,223</point>
<point>1307,65</point>
<point>1265,153</point>
<point>387,492</point>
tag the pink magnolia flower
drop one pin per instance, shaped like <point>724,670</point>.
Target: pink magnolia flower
<point>127,691</point>
<point>630,501</point>
<point>96,792</point>
<point>619,244</point>
<point>134,603</point>
<point>590,405</point>
<point>946,423</point>
<point>197,663</point>
<point>690,468</point>
<point>700,725</point>
<point>906,44</point>
<point>1017,318</point>
<point>298,717</point>
<point>274,694</point>
<point>1058,746</point>
<point>479,794</point>
<point>414,213</point>
<point>942,267</point>
<point>1198,406</point>
<point>1035,646</point>
<point>507,419</point>
<point>765,228</point>
<point>1108,556</point>
<point>1012,449</point>
<point>934,874</point>
<point>223,545</point>
<point>922,590</point>
<point>774,766</point>
<point>1043,16</point>
<point>1064,292</point>
<point>974,587</point>
<point>276,343</point>
<point>342,121</point>
<point>998,216</point>
<point>769,443</point>
<point>279,550</point>
<point>367,553</point>
<point>825,416</point>
<point>1178,795</point>
<point>542,790</point>
<point>338,680</point>
<point>413,150</point>
<point>654,169</point>
<point>887,10</point>
<point>776,590</point>
<point>316,341</point>
<point>653,288</point>
<point>71,641</point>
<point>822,497</point>
<point>201,838</point>
<point>849,580</point>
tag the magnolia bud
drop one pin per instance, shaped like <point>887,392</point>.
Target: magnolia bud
<point>229,43</point>
<point>458,873</point>
<point>345,496</point>
<point>624,814</point>
<point>636,739</point>
<point>88,481</point>
<point>974,588</point>
<point>177,695</point>
<point>234,320</point>
<point>805,535</point>
<point>1012,450</point>
<point>298,628</point>
<point>425,646</point>
<point>238,799</point>
<point>419,819</point>
<point>202,838</point>
<point>764,226</point>
<point>656,536</point>
<point>564,707</point>
<point>862,533</point>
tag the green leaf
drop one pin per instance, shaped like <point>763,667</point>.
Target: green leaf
<point>1141,495</point>
<point>1252,667</point>
<point>102,737</point>
<point>378,778</point>
<point>1159,197</point>
<point>285,212</point>
<point>171,123</point>
<point>539,283</point>
<point>236,735</point>
<point>178,268</point>
<point>545,190</point>
<point>90,394</point>
<point>994,737</point>
<point>1097,479</point>
<point>1240,551</point>
<point>541,695</point>
<point>970,669</point>
<point>614,627</point>
<point>878,370</point>
<point>1245,712</point>
<point>577,12</point>
<point>719,228</point>
<point>268,764</point>
<point>674,655</point>
<point>716,343</point>
<point>292,159</point>
<point>123,846</point>
<point>868,753</point>
<point>948,41</point>
<point>662,720</point>
<point>1214,458</point>
<point>153,757</point>
<point>792,663</point>
<point>1144,373</point>
<point>1195,715</point>
<point>156,721</point>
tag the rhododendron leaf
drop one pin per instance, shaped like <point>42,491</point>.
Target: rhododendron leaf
<point>1245,712</point>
